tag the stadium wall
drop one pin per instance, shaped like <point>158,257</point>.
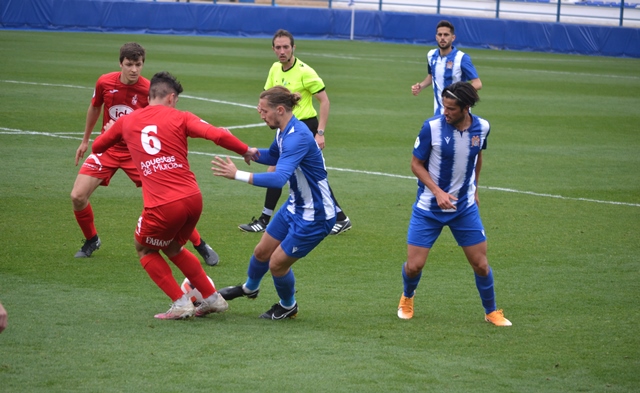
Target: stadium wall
<point>254,20</point>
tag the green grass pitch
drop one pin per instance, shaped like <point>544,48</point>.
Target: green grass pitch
<point>560,200</point>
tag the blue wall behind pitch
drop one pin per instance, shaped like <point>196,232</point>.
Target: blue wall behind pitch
<point>248,20</point>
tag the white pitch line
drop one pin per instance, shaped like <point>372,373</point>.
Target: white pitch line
<point>10,131</point>
<point>218,101</point>
<point>485,187</point>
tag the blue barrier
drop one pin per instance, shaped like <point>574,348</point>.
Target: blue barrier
<point>248,20</point>
<point>604,4</point>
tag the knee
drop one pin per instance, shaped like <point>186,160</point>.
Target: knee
<point>482,269</point>
<point>79,200</point>
<point>412,269</point>
<point>261,254</point>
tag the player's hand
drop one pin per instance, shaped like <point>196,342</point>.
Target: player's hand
<point>320,141</point>
<point>446,201</point>
<point>416,89</point>
<point>108,125</point>
<point>3,318</point>
<point>80,152</point>
<point>251,155</point>
<point>224,168</point>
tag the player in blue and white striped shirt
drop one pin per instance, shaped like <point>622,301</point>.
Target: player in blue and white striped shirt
<point>447,158</point>
<point>301,223</point>
<point>446,65</point>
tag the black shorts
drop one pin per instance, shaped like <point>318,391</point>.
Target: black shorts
<point>312,123</point>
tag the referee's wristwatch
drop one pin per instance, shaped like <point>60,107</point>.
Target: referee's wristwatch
<point>320,132</point>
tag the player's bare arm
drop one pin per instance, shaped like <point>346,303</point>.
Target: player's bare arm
<point>418,87</point>
<point>476,83</point>
<point>93,114</point>
<point>444,199</point>
<point>323,116</point>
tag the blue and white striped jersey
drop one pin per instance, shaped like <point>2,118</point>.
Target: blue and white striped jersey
<point>450,158</point>
<point>299,161</point>
<point>454,67</point>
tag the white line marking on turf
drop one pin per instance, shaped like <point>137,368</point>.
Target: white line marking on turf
<point>89,88</point>
<point>11,131</point>
<point>218,101</point>
<point>486,187</point>
<point>46,84</point>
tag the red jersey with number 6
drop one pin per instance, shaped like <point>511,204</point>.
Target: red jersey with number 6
<point>156,137</point>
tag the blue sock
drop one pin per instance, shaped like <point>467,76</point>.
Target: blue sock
<point>286,288</point>
<point>410,283</point>
<point>487,294</point>
<point>255,272</point>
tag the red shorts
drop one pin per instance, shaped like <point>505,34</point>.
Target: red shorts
<point>105,165</point>
<point>158,226</point>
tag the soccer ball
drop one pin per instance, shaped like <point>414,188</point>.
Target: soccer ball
<point>192,292</point>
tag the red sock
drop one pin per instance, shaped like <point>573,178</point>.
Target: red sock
<point>195,238</point>
<point>190,266</point>
<point>160,272</point>
<point>85,220</point>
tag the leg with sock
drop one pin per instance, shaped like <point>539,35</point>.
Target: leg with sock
<point>207,253</point>
<point>251,288</point>
<point>255,272</point>
<point>286,288</point>
<point>487,294</point>
<point>287,306</point>
<point>343,223</point>
<point>191,268</point>
<point>405,308</point>
<point>270,201</point>
<point>189,265</point>
<point>486,290</point>
<point>84,218</point>
<point>410,283</point>
<point>260,224</point>
<point>160,272</point>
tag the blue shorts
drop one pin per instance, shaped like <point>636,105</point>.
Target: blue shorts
<point>425,227</point>
<point>297,236</point>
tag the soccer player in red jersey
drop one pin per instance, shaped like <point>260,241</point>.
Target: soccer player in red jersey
<point>119,93</point>
<point>156,137</point>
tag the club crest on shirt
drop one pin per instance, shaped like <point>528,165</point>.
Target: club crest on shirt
<point>475,141</point>
<point>134,100</point>
<point>449,64</point>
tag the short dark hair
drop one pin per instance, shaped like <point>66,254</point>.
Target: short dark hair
<point>282,33</point>
<point>463,92</point>
<point>446,23</point>
<point>163,84</point>
<point>280,95</point>
<point>132,51</point>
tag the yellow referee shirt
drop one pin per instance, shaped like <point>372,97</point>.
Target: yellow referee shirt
<point>298,79</point>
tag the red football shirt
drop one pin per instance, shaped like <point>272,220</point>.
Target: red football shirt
<point>119,99</point>
<point>156,137</point>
